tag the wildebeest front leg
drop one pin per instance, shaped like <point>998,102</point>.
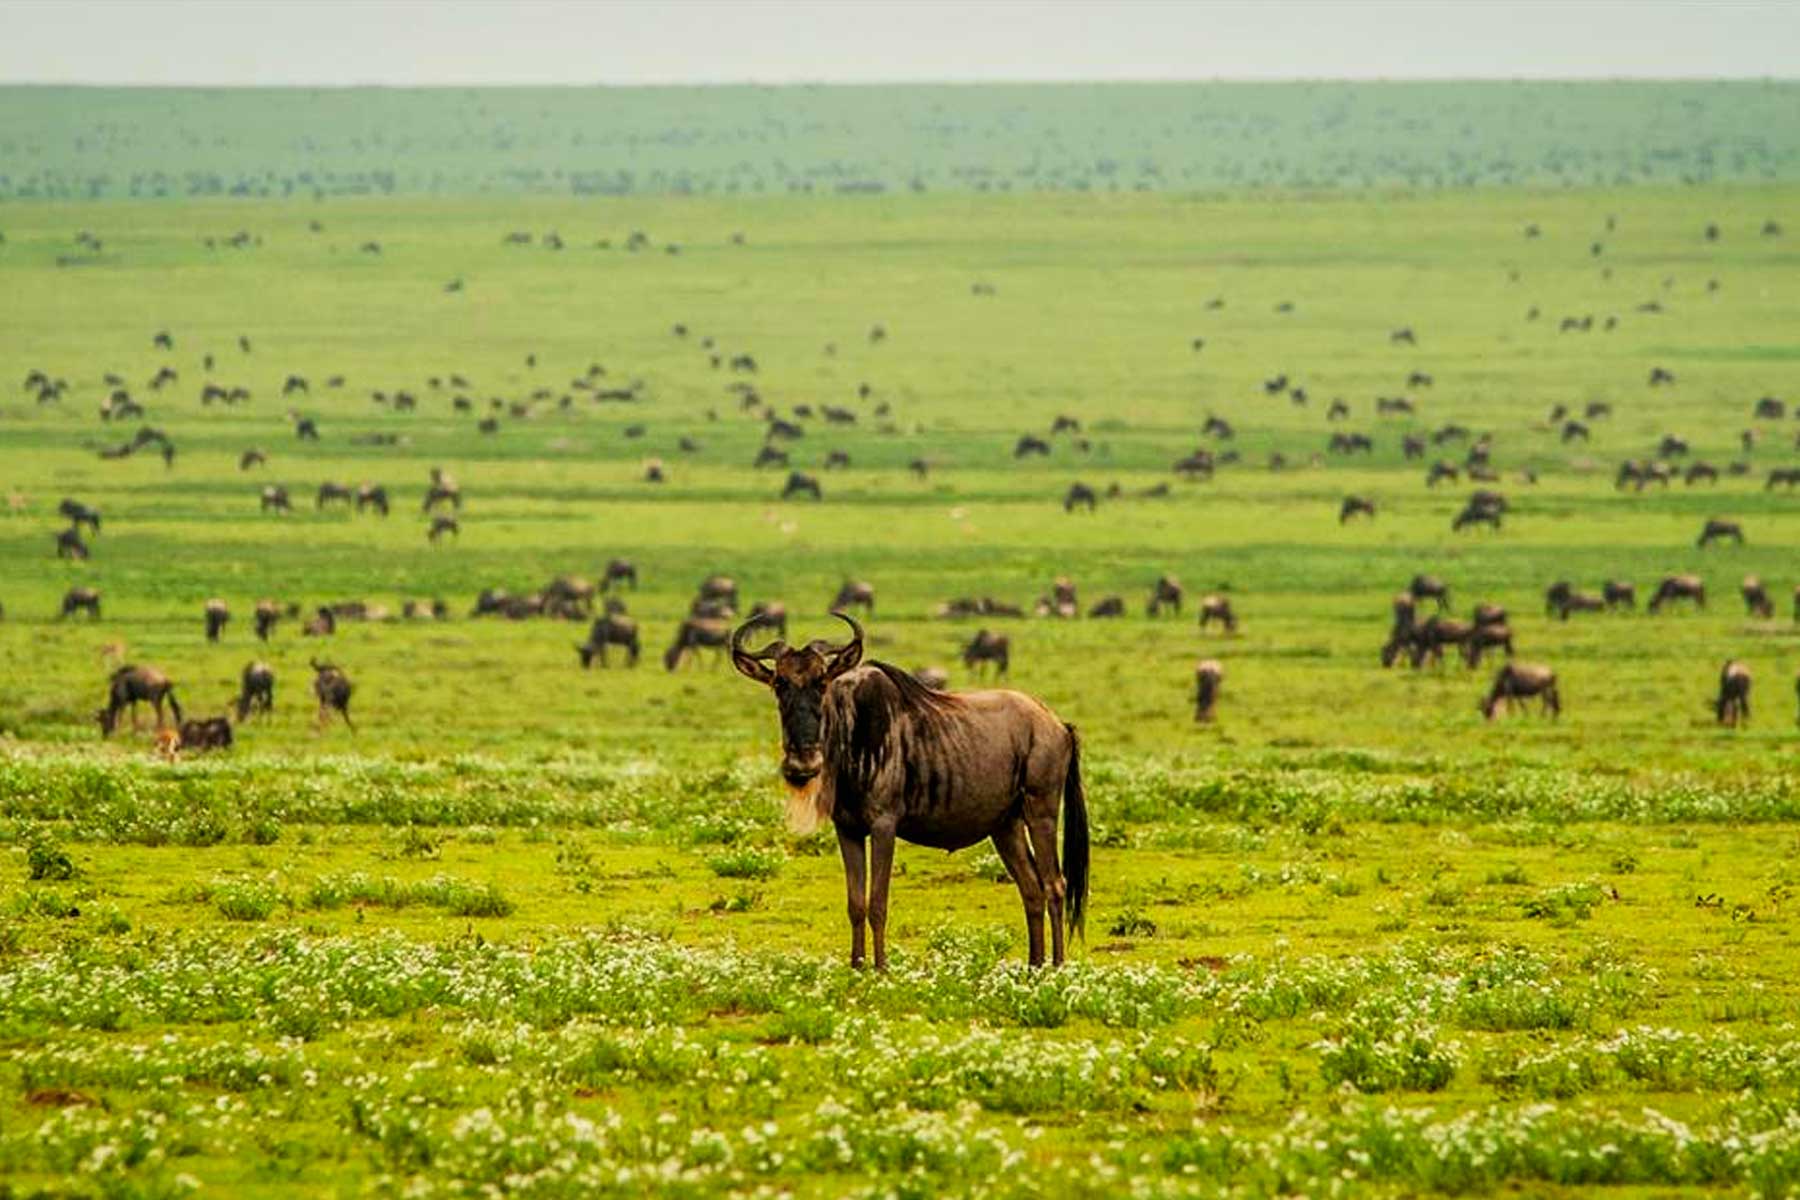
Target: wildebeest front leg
<point>856,882</point>
<point>881,869</point>
<point>1010,845</point>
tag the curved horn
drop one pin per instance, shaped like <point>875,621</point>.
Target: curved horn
<point>749,664</point>
<point>852,653</point>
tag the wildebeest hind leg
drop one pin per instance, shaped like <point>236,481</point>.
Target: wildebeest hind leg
<point>1042,826</point>
<point>1010,844</point>
<point>856,883</point>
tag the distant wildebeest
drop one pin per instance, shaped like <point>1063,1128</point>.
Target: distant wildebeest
<point>1732,706</point>
<point>443,490</point>
<point>1556,595</point>
<point>1199,465</point>
<point>69,545</point>
<point>855,592</point>
<point>269,614</point>
<point>619,570</point>
<point>1413,447</point>
<point>1575,602</point>
<point>79,514</point>
<point>1217,608</point>
<point>801,484</point>
<point>719,587</point>
<point>837,460</point>
<point>1474,513</point>
<point>774,615</point>
<point>1517,682</point>
<point>569,595</point>
<point>323,623</point>
<point>1029,444</point>
<point>80,599</point>
<point>988,647</point>
<point>1108,606</point>
<point>935,678</point>
<point>1080,494</point>
<point>252,458</point>
<point>1770,409</point>
<point>1619,593</point>
<point>256,690</point>
<point>611,629</point>
<point>1355,505</point>
<point>1209,677</point>
<point>1403,334</point>
<point>442,524</point>
<point>1660,376</point>
<point>1698,472</point>
<point>1441,471</point>
<point>216,614</point>
<point>885,757</point>
<point>1482,638</point>
<point>333,688</point>
<point>131,684</point>
<point>1430,639</point>
<point>1166,594</point>
<point>1679,587</point>
<point>306,429</point>
<point>693,635</point>
<point>208,733</point>
<point>769,456</point>
<point>330,492</point>
<point>1716,529</point>
<point>1574,431</point>
<point>1430,587</point>
<point>372,495</point>
<point>276,497</point>
<point>1756,598</point>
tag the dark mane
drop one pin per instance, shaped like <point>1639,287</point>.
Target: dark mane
<point>915,697</point>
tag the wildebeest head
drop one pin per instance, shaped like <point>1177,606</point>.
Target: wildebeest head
<point>799,675</point>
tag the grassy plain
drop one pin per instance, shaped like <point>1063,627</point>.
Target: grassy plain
<point>540,930</point>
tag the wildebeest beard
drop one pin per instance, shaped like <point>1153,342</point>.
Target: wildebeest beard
<point>803,757</point>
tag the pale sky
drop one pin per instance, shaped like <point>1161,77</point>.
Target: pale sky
<point>414,42</point>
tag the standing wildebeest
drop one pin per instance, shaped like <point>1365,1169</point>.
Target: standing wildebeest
<point>1733,703</point>
<point>987,647</point>
<point>1166,594</point>
<point>855,592</point>
<point>619,570</point>
<point>1354,505</point>
<point>333,689</point>
<point>1717,528</point>
<point>330,492</point>
<point>774,614</point>
<point>1209,677</point>
<point>1521,681</point>
<point>799,483</point>
<point>1217,608</point>
<point>611,629</point>
<point>372,495</point>
<point>80,599</point>
<point>1400,636</point>
<point>1430,587</point>
<point>275,497</point>
<point>80,514</point>
<point>1476,513</point>
<point>1488,614</point>
<point>935,678</point>
<point>1030,444</point>
<point>1080,494</point>
<point>268,615</point>
<point>252,458</point>
<point>720,587</point>
<point>130,684</point>
<point>1679,587</point>
<point>1109,606</point>
<point>1574,602</point>
<point>693,635</point>
<point>1429,639</point>
<point>1756,598</point>
<point>1620,593</point>
<point>69,545</point>
<point>443,490</point>
<point>256,690</point>
<point>217,614</point>
<point>1484,637</point>
<point>885,758</point>
<point>441,525</point>
<point>323,624</point>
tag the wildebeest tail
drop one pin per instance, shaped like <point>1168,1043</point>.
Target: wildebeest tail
<point>1075,838</point>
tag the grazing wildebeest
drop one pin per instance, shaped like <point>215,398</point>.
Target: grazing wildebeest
<point>252,458</point>
<point>988,647</point>
<point>333,689</point>
<point>80,599</point>
<point>1029,444</point>
<point>935,678</point>
<point>1475,513</point>
<point>1620,593</point>
<point>1166,594</point>
<point>1217,608</point>
<point>1661,375</point>
<point>1488,614</point>
<point>769,456</point>
<point>1717,528</point>
<point>1576,602</point>
<point>443,490</point>
<point>1355,505</point>
<point>801,484</point>
<point>695,634</point>
<point>1756,598</point>
<point>619,570</point>
<point>1732,707</point>
<point>1573,430</point>
<point>208,733</point>
<point>836,460</point>
<point>1412,447</point>
<point>611,629</point>
<point>216,614</point>
<point>1441,470</point>
<point>1429,639</point>
<point>569,595</point>
<point>1430,587</point>
<point>322,624</point>
<point>306,429</point>
<point>774,615</point>
<point>1521,681</point>
<point>885,757</point>
<point>330,492</point>
<point>441,525</point>
<point>1109,606</point>
<point>1209,677</point>
<point>256,690</point>
<point>69,545</point>
<point>127,686</point>
<point>1400,634</point>
<point>855,592</point>
<point>1700,471</point>
<point>1198,465</point>
<point>1080,494</point>
<point>276,497</point>
<point>720,587</point>
<point>80,514</point>
<point>268,615</point>
<point>1679,587</point>
<point>372,495</point>
<point>1482,638</point>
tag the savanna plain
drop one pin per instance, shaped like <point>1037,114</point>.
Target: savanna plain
<point>535,930</point>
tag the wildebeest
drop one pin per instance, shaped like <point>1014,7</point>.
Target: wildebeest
<point>1485,637</point>
<point>1430,587</point>
<point>935,678</point>
<point>1217,608</point>
<point>1756,598</point>
<point>1109,606</point>
<point>268,614</point>
<point>1699,471</point>
<point>1476,513</point>
<point>330,492</point>
<point>306,429</point>
<point>1199,465</point>
<point>569,596</point>
<point>130,684</point>
<point>1732,706</point>
<point>1679,587</point>
<point>216,614</point>
<point>988,647</point>
<point>1029,444</point>
<point>885,757</point>
<point>372,495</point>
<point>611,629</point>
<point>276,497</point>
<point>801,484</point>
<point>80,599</point>
<point>1354,506</point>
<point>1716,529</point>
<point>441,525</point>
<point>1166,594</point>
<point>1519,682</point>
<point>1577,601</point>
<point>1430,638</point>
<point>322,624</point>
<point>443,490</point>
<point>1619,593</point>
<point>774,615</point>
<point>208,733</point>
<point>619,570</point>
<point>79,514</point>
<point>1209,677</point>
<point>69,545</point>
<point>693,635</point>
<point>1078,495</point>
<point>855,592</point>
<point>333,689</point>
<point>252,458</point>
<point>1441,470</point>
<point>719,587</point>
<point>836,460</point>
<point>256,690</point>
